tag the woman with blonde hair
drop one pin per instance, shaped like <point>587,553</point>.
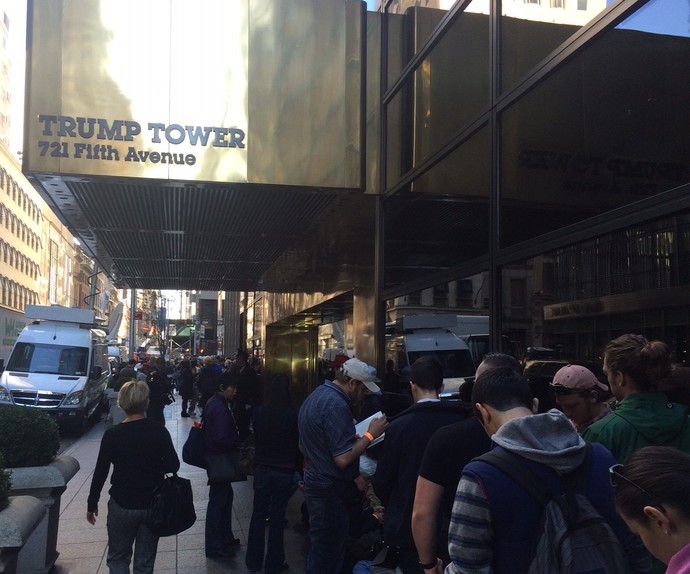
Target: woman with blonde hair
<point>652,497</point>
<point>141,452</point>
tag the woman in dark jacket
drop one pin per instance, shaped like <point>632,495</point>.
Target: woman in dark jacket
<point>221,436</point>
<point>275,477</point>
<point>141,452</point>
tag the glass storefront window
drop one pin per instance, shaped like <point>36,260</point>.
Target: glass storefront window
<point>577,298</point>
<point>607,129</point>
<point>449,321</point>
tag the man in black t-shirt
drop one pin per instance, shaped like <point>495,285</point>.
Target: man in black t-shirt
<point>446,454</point>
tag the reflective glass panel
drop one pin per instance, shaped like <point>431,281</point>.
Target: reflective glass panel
<point>451,85</point>
<point>607,129</point>
<point>531,29</point>
<point>572,301</point>
<point>419,28</point>
<point>444,220</point>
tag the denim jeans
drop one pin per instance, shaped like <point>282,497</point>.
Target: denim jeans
<point>127,527</point>
<point>219,517</point>
<point>328,527</point>
<point>272,490</point>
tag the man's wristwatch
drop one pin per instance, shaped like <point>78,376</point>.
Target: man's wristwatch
<point>429,565</point>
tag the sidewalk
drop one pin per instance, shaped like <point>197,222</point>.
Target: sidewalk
<point>83,547</point>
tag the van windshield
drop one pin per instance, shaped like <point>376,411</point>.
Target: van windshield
<point>456,362</point>
<point>53,359</point>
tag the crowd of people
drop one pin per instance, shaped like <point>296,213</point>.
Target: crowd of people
<point>447,504</point>
<point>444,485</point>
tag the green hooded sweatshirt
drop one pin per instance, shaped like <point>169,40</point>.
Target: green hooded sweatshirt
<point>642,419</point>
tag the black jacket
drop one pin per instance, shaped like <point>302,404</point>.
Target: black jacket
<point>395,480</point>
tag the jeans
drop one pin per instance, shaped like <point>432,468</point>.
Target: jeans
<point>127,527</point>
<point>219,517</point>
<point>328,527</point>
<point>272,490</point>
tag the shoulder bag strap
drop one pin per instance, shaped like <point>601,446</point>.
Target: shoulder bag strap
<point>511,466</point>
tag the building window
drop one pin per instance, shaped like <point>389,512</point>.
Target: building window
<point>517,293</point>
<point>582,5</point>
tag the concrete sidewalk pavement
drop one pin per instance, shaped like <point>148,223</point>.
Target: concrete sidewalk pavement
<point>83,547</point>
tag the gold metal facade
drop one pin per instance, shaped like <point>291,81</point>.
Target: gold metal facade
<point>248,91</point>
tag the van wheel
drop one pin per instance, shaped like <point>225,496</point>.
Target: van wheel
<point>81,426</point>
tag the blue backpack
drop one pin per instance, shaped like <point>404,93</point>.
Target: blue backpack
<point>572,537</point>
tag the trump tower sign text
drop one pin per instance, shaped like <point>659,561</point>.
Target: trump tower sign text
<point>92,139</point>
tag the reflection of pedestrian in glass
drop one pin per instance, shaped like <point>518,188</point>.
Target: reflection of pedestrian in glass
<point>276,456</point>
<point>141,452</point>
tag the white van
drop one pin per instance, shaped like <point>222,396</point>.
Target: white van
<point>422,335</point>
<point>59,364</point>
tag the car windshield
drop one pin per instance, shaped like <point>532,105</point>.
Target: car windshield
<point>456,362</point>
<point>53,359</point>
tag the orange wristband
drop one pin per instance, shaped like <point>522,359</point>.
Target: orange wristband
<point>369,436</point>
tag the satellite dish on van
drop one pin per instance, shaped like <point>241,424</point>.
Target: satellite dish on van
<point>115,320</point>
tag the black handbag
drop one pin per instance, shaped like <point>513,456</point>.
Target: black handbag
<point>224,467</point>
<point>193,450</point>
<point>172,507</point>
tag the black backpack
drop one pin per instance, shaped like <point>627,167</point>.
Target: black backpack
<point>572,537</point>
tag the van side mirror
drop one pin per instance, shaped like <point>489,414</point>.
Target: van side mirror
<point>2,365</point>
<point>96,373</point>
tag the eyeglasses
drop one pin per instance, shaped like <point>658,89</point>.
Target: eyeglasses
<point>615,477</point>
<point>562,391</point>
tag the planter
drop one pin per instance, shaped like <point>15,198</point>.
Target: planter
<point>17,522</point>
<point>47,483</point>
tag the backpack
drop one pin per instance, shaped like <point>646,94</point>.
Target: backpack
<point>572,537</point>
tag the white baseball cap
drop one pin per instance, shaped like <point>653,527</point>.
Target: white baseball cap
<point>360,371</point>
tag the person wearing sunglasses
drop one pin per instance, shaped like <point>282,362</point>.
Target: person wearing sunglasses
<point>652,498</point>
<point>635,367</point>
<point>580,396</point>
